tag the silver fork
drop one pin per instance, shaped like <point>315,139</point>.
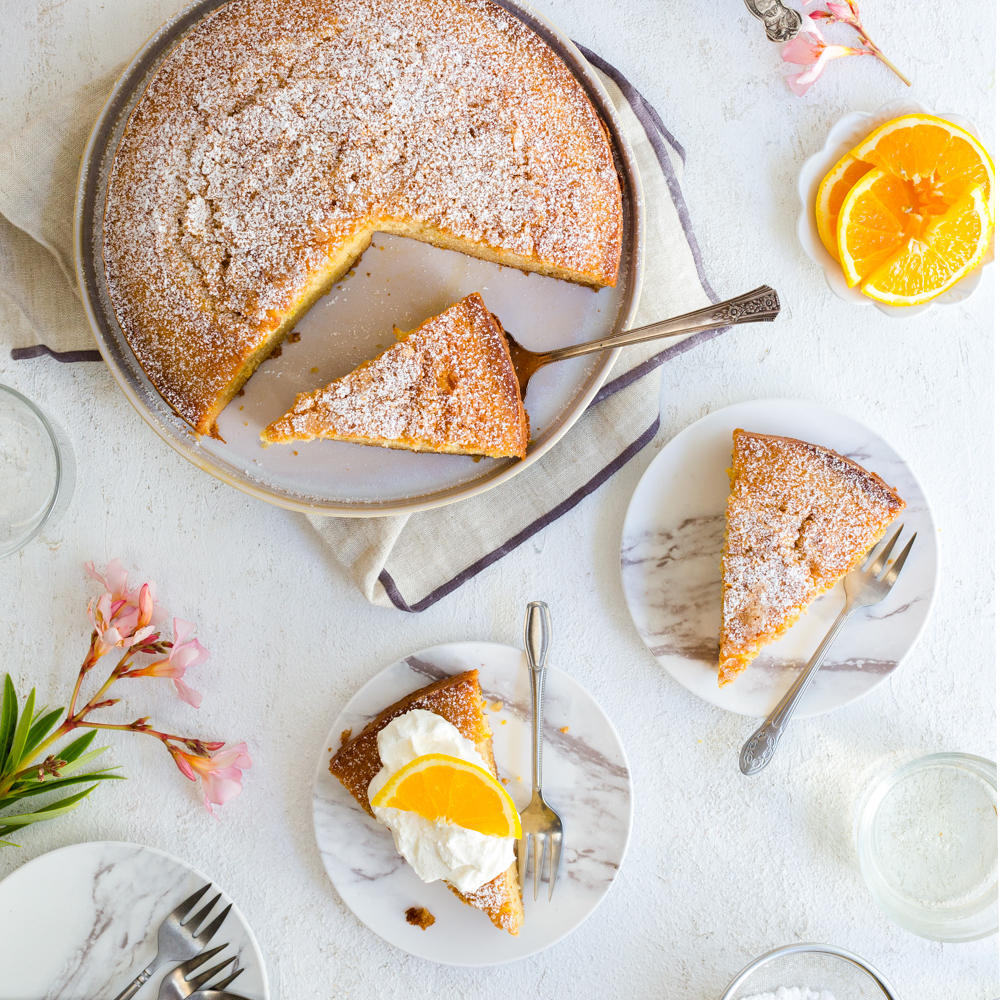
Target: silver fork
<point>176,941</point>
<point>176,985</point>
<point>866,585</point>
<point>538,821</point>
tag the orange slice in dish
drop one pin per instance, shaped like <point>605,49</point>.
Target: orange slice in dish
<point>440,787</point>
<point>874,223</point>
<point>833,189</point>
<point>949,248</point>
<point>936,160</point>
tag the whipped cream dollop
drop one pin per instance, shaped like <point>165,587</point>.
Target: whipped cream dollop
<point>436,850</point>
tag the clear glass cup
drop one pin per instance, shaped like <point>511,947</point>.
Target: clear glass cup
<point>36,471</point>
<point>927,845</point>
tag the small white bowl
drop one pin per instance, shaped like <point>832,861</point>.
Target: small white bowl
<point>843,137</point>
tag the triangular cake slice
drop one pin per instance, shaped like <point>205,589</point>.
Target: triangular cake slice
<point>448,386</point>
<point>459,700</point>
<point>799,517</point>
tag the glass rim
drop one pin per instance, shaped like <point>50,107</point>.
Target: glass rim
<point>20,543</point>
<point>932,922</point>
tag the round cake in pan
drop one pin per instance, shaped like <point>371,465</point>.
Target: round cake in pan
<point>278,136</point>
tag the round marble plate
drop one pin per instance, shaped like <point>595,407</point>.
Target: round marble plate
<point>81,922</point>
<point>672,545</point>
<point>586,781</point>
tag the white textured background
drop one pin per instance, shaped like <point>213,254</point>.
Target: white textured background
<point>720,868</point>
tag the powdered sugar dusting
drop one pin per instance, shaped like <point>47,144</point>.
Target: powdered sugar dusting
<point>276,136</point>
<point>449,385</point>
<point>798,518</point>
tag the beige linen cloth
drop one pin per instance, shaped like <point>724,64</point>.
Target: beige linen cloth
<point>407,561</point>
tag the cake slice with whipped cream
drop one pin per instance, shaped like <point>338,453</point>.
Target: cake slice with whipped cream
<point>441,722</point>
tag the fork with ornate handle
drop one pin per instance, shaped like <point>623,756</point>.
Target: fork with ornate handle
<point>864,589</point>
<point>176,941</point>
<point>538,820</point>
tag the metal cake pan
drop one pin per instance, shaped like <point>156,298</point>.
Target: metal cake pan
<point>377,485</point>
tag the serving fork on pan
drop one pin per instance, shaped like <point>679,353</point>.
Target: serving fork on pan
<point>759,306</point>
<point>539,823</point>
<point>176,939</point>
<point>866,585</point>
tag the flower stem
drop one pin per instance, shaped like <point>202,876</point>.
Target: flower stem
<point>881,57</point>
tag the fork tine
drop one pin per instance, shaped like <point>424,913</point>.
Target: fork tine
<point>539,847</point>
<point>555,848</point>
<point>897,564</point>
<point>192,963</point>
<point>197,919</point>
<point>209,932</point>
<point>880,559</point>
<point>188,905</point>
<point>222,984</point>
<point>196,982</point>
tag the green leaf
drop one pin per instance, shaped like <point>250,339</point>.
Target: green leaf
<point>53,809</point>
<point>21,734</point>
<point>75,765</point>
<point>8,720</point>
<point>53,784</point>
<point>40,729</point>
<point>71,751</point>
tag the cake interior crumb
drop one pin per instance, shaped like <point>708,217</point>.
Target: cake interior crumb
<point>420,917</point>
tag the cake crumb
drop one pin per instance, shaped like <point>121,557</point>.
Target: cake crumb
<point>294,452</point>
<point>242,392</point>
<point>345,736</point>
<point>276,353</point>
<point>505,781</point>
<point>420,917</point>
<point>294,337</point>
<point>496,706</point>
<point>503,722</point>
<point>313,370</point>
<point>564,729</point>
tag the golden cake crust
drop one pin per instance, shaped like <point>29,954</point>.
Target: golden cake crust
<point>459,699</point>
<point>276,137</point>
<point>448,386</point>
<point>798,518</point>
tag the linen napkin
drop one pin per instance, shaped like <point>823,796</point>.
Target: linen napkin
<point>407,561</point>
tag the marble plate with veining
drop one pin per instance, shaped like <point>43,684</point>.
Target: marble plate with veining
<point>585,778</point>
<point>80,923</point>
<point>672,547</point>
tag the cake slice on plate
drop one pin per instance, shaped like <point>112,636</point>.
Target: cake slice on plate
<point>799,517</point>
<point>444,717</point>
<point>448,386</point>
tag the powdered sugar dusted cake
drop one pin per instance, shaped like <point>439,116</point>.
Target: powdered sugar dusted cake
<point>276,137</point>
<point>449,386</point>
<point>799,517</point>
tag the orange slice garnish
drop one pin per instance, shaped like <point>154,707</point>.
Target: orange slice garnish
<point>950,247</point>
<point>440,787</point>
<point>832,191</point>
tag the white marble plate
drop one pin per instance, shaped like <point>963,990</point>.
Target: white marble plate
<point>80,923</point>
<point>586,781</point>
<point>672,545</point>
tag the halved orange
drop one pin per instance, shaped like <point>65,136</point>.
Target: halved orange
<point>833,189</point>
<point>440,787</point>
<point>950,247</point>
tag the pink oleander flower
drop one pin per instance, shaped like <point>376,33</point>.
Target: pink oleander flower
<point>181,656</point>
<point>809,48</point>
<point>122,618</point>
<point>814,52</point>
<point>221,775</point>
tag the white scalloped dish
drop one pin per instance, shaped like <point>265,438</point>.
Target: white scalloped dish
<point>844,136</point>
